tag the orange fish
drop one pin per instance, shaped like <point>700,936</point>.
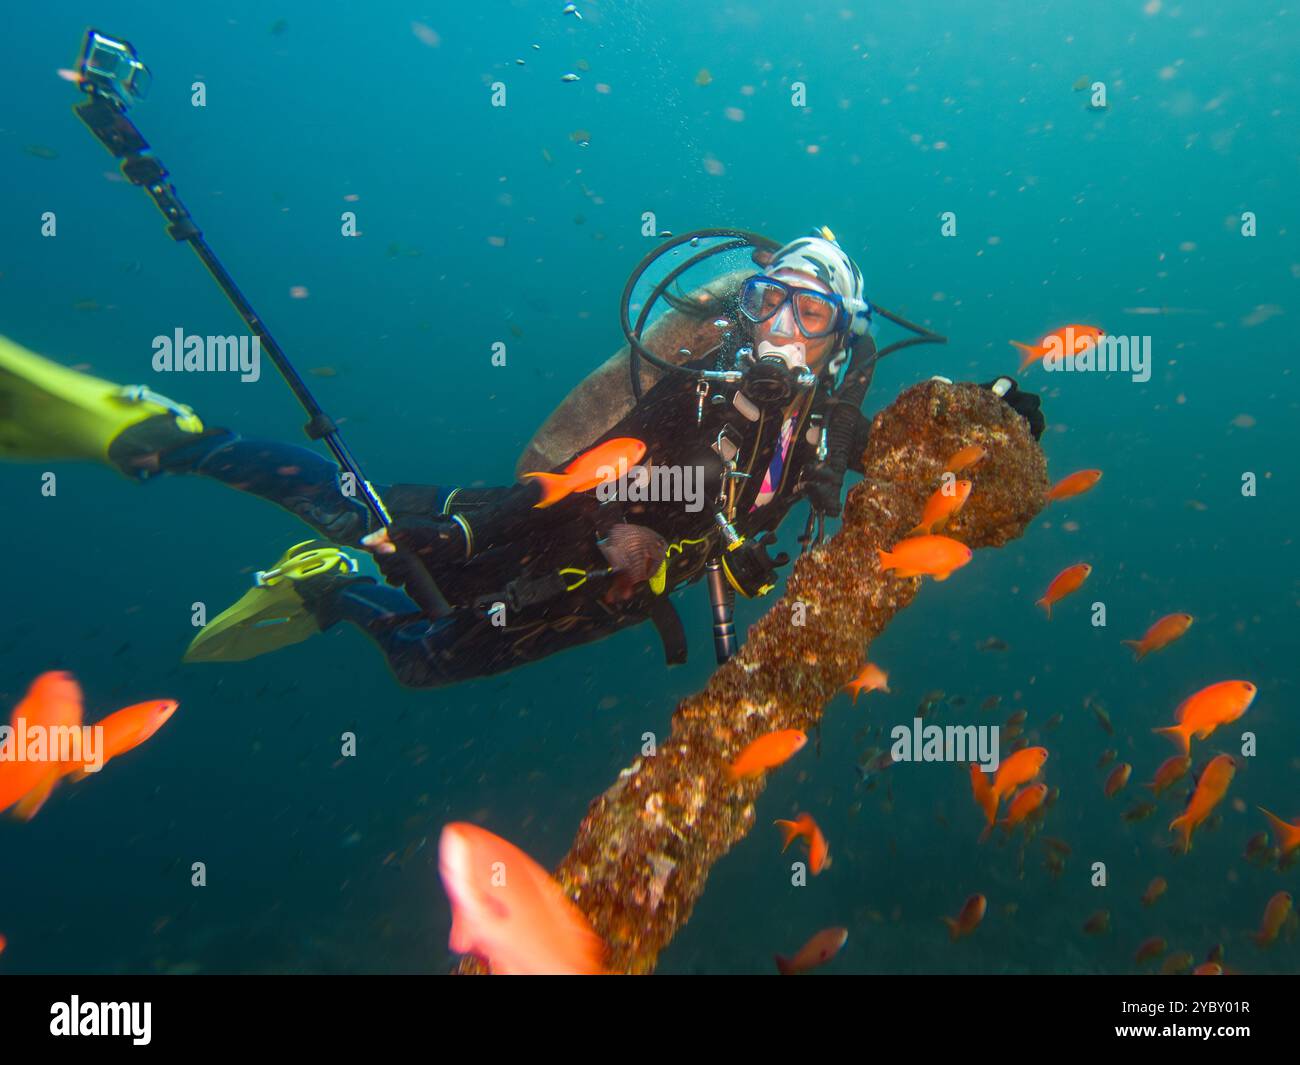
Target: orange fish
<point>1068,340</point>
<point>3,943</point>
<point>1275,915</point>
<point>1154,890</point>
<point>1209,792</point>
<point>932,556</point>
<point>1019,769</point>
<point>972,913</point>
<point>1118,778</point>
<point>941,506</point>
<point>1200,714</point>
<point>1098,924</point>
<point>1160,635</point>
<point>506,909</point>
<point>1208,968</point>
<point>805,826</point>
<point>1288,836</point>
<point>967,456</point>
<point>52,705</point>
<point>1068,580</point>
<point>1023,805</point>
<point>871,679</point>
<point>817,951</point>
<point>982,788</point>
<point>767,752</point>
<point>1074,485</point>
<point>604,462</point>
<point>1171,770</point>
<point>127,728</point>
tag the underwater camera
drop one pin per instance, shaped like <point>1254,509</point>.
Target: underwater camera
<point>112,68</point>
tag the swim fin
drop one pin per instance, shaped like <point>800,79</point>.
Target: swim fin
<point>274,613</point>
<point>48,411</point>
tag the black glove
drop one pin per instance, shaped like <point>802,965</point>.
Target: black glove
<point>433,542</point>
<point>1026,404</point>
<point>823,484</point>
<point>749,568</point>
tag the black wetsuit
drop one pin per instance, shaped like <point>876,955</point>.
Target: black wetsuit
<point>519,563</point>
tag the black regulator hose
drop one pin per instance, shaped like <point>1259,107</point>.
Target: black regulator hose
<point>842,424</point>
<point>740,238</point>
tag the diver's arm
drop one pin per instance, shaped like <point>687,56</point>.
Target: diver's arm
<point>824,480</point>
<point>1026,404</point>
<point>858,447</point>
<point>485,520</point>
<point>478,520</point>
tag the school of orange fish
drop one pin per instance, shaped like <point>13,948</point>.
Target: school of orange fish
<point>42,724</point>
<point>508,911</point>
<point>488,918</point>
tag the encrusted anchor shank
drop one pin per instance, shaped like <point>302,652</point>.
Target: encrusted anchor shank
<point>643,852</point>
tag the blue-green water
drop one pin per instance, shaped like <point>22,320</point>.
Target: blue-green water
<point>483,223</point>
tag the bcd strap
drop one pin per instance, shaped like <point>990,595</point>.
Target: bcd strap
<point>672,634</point>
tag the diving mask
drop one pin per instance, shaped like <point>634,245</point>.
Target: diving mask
<point>817,314</point>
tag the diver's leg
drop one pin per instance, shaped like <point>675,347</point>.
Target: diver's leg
<point>463,645</point>
<point>310,486</point>
<point>314,586</point>
<point>306,484</point>
<point>49,411</point>
<point>421,652</point>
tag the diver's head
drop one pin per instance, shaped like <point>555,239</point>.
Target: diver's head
<point>808,306</point>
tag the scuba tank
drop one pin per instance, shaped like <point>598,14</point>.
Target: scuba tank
<point>605,396</point>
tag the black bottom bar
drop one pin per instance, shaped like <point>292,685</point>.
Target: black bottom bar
<point>303,1014</point>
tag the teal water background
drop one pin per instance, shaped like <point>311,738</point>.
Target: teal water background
<point>1065,214</point>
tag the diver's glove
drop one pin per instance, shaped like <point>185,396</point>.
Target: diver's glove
<point>823,484</point>
<point>1026,404</point>
<point>434,542</point>
<point>748,567</point>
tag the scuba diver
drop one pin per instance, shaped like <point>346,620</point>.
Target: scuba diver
<point>761,410</point>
